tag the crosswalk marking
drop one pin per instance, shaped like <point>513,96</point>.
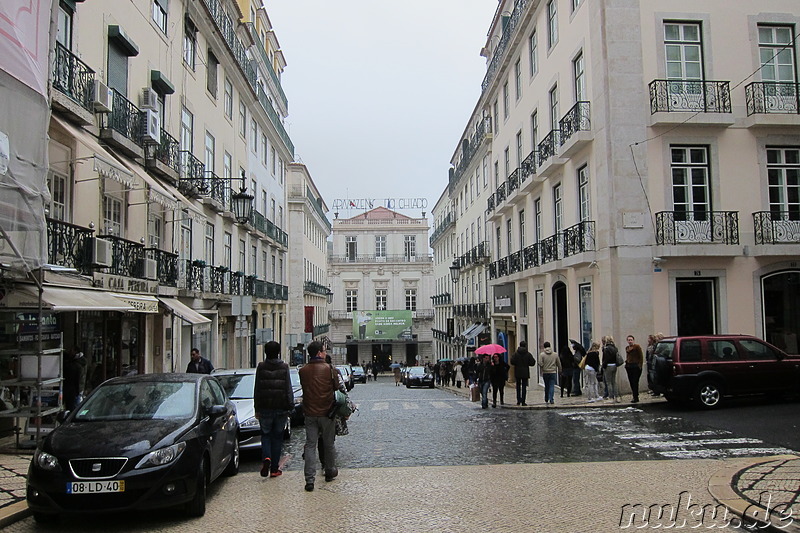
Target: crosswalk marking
<point>410,405</point>
<point>381,406</point>
<point>442,405</point>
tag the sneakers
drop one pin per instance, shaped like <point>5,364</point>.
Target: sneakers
<point>265,466</point>
<point>330,476</point>
<point>617,399</point>
<point>591,400</point>
<point>309,487</point>
<point>276,473</point>
<point>599,399</point>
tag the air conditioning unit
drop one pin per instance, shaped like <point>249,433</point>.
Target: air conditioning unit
<point>148,99</point>
<point>152,127</point>
<point>103,97</point>
<point>149,269</point>
<point>102,252</point>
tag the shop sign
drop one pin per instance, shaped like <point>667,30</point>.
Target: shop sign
<point>504,298</point>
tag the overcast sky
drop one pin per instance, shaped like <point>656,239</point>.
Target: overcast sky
<point>380,91</point>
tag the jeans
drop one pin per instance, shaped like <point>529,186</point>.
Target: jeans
<point>634,373</point>
<point>497,387</point>
<point>610,377</point>
<point>317,426</point>
<point>522,390</point>
<point>549,387</point>
<point>485,393</point>
<point>272,422</point>
<point>591,383</point>
<point>576,381</point>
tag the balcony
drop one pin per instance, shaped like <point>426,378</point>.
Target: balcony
<point>442,299</point>
<point>697,227</point>
<point>275,119</point>
<point>391,259</point>
<point>530,256</point>
<point>321,329</point>
<point>490,203</point>
<point>195,275</point>
<point>313,287</point>
<point>515,262</point>
<point>127,257</point>
<point>576,129</point>
<point>163,159</point>
<point>218,280</point>
<point>123,126</point>
<point>500,195</point>
<point>549,162</point>
<point>579,238</point>
<point>470,147</point>
<point>527,170</point>
<point>68,245</point>
<point>167,269</point>
<point>777,227</point>
<point>710,100</point>
<point>192,174</point>
<point>510,27</point>
<point>446,223</point>
<point>772,103</point>
<point>512,186</point>
<point>475,256</point>
<point>214,191</point>
<point>477,311</point>
<point>75,80</point>
<point>262,49</point>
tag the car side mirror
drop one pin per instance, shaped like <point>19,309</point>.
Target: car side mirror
<point>215,411</point>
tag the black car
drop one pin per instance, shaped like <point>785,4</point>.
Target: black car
<point>418,376</point>
<point>137,442</point>
<point>359,376</point>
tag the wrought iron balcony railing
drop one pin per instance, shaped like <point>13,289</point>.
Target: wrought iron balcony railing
<point>227,30</point>
<point>442,299</point>
<point>490,203</point>
<point>777,227</point>
<point>125,118</point>
<point>502,267</point>
<point>249,285</point>
<point>315,288</point>
<point>528,166</point>
<point>550,249</point>
<point>509,27</point>
<point>442,227</point>
<point>530,256</point>
<point>260,289</point>
<point>469,148</point>
<point>548,147</point>
<point>321,329</point>
<point>772,97</point>
<point>73,77</point>
<point>346,258</point>
<point>236,282</point>
<point>195,275</point>
<point>577,119</point>
<point>579,238</point>
<point>697,227</point>
<point>515,262</point>
<point>512,183</point>
<point>690,95</point>
<point>127,257</point>
<point>218,279</point>
<point>191,175</point>
<point>500,194</point>
<point>68,245</point>
<point>167,269</point>
<point>167,152</point>
<point>262,49</point>
<point>274,118</point>
<point>475,256</point>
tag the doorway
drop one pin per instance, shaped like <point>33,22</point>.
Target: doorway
<point>696,306</point>
<point>560,326</point>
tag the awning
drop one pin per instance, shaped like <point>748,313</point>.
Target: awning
<point>186,313</point>
<point>157,193</point>
<point>62,299</point>
<point>475,330</point>
<point>141,303</point>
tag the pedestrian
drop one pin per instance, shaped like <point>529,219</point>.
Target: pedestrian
<point>652,340</point>
<point>591,369</point>
<point>565,357</point>
<point>634,360</point>
<point>273,399</point>
<point>465,373</point>
<point>199,364</point>
<point>375,370</point>
<point>550,365</point>
<point>457,373</point>
<point>397,376</point>
<point>580,352</point>
<point>319,381</point>
<point>485,379</point>
<point>522,361</point>
<point>610,364</point>
<point>499,378</point>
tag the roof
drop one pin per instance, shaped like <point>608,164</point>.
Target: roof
<point>380,213</point>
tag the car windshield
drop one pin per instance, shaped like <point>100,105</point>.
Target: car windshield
<point>344,369</point>
<point>417,370</point>
<point>237,386</point>
<point>295,379</point>
<point>358,370</point>
<point>141,400</point>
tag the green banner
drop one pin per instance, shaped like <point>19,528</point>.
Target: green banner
<point>383,325</point>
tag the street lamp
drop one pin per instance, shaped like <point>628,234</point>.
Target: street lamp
<point>242,202</point>
<point>329,295</point>
<point>455,270</point>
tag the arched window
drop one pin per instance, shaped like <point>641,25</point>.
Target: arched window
<point>780,297</point>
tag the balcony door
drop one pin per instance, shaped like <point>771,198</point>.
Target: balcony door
<point>684,61</point>
<point>691,196</point>
<point>778,69</point>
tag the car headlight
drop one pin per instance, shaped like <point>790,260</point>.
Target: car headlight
<point>251,422</point>
<point>46,461</point>
<point>163,456</point>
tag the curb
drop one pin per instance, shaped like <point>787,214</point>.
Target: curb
<point>721,486</point>
<point>14,513</point>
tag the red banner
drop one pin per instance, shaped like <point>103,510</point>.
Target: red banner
<point>309,313</point>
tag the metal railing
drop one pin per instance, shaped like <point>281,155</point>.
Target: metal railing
<point>346,258</point>
<point>127,257</point>
<point>470,148</point>
<point>528,166</point>
<point>442,299</point>
<point>167,151</point>
<point>167,266</point>
<point>579,238</point>
<point>321,329</point>
<point>515,262</point>
<point>68,245</point>
<point>447,222</point>
<point>577,119</point>
<point>548,147</point>
<point>125,118</point>
<point>73,77</point>
<point>315,288</point>
<point>772,97</point>
<point>274,118</point>
<point>777,227</point>
<point>690,95</point>
<point>490,203</point>
<point>697,227</point>
<point>530,256</point>
<point>191,174</point>
<point>195,275</point>
<point>512,183</point>
<point>499,52</point>
<point>262,48</point>
<point>500,194</point>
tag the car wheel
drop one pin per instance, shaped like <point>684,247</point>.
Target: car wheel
<point>233,465</point>
<point>45,518</point>
<point>197,506</point>
<point>430,386</point>
<point>408,386</point>
<point>709,395</point>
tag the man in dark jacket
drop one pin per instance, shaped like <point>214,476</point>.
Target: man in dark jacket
<point>319,381</point>
<point>522,360</point>
<point>198,364</point>
<point>273,398</point>
<point>485,379</point>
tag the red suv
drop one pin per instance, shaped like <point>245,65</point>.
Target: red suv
<point>709,367</point>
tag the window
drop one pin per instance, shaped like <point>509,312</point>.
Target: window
<point>776,53</point>
<point>155,230</point>
<point>553,95</point>
<point>411,299</point>
<point>534,129</point>
<point>264,263</point>
<point>212,68</point>
<point>228,99</point>
<point>242,256</point>
<point>552,24</point>
<point>585,308</point>
<point>537,219</point>
<point>533,54</point>
<point>117,67</point>
<point>272,156</point>
<point>580,79</point>
<point>160,14</point>
<point>350,246</point>
<point>272,209</point>
<point>227,250</point>
<point>584,207</point>
<point>507,161</point>
<point>208,248</point>
<point>518,80</point>
<point>380,246</point>
<point>254,260</point>
<point>499,241</point>
<point>522,229</point>
<point>684,51</point>
<point>227,166</point>
<point>783,175</point>
<point>380,299</point>
<point>209,152</point>
<point>496,117</point>
<point>112,215</point>
<point>781,292</point>
<point>410,247</point>
<point>64,26</point>
<point>509,233</point>
<point>254,135</point>
<point>264,153</point>
<point>189,44</point>
<point>496,174</point>
<point>187,125</point>
<point>505,100</point>
<point>351,300</point>
<point>485,171</point>
<point>273,268</point>
<point>690,183</point>
<point>59,196</point>
<point>242,118</point>
<point>520,155</point>
<point>576,4</point>
<point>558,209</point>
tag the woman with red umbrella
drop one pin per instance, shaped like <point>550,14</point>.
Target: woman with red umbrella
<point>499,376</point>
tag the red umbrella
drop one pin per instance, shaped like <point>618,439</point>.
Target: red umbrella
<point>490,349</point>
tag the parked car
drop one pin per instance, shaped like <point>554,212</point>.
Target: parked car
<point>137,442</point>
<point>708,368</point>
<point>297,418</point>
<point>238,385</point>
<point>418,376</point>
<point>359,376</point>
<point>347,376</point>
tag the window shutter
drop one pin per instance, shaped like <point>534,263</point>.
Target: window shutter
<point>117,68</point>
